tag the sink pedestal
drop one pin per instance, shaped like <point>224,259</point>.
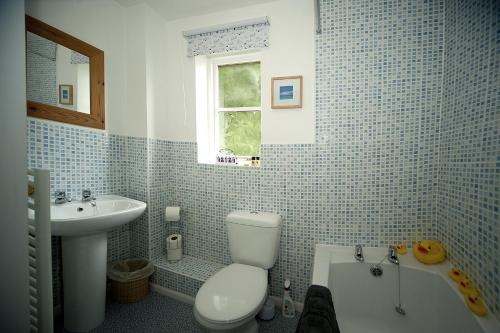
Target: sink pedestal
<point>84,280</point>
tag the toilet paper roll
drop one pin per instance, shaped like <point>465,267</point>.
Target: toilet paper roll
<point>174,242</point>
<point>172,214</point>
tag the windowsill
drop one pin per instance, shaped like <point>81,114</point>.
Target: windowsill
<point>237,165</point>
<point>234,165</point>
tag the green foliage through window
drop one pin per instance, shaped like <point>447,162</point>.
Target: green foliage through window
<point>239,85</point>
<point>240,132</point>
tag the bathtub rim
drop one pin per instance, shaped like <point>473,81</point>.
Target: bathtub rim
<point>323,258</point>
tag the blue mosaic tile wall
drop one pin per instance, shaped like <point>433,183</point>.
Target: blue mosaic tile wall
<point>158,168</point>
<point>136,162</point>
<point>147,167</point>
<point>469,162</point>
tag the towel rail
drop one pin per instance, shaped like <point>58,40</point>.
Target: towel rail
<point>40,252</point>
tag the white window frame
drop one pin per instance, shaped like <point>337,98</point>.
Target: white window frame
<point>214,109</point>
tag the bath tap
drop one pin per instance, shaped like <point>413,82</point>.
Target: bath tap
<point>358,253</point>
<point>392,256</point>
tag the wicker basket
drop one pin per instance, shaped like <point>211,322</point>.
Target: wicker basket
<point>131,291</point>
<point>130,279</point>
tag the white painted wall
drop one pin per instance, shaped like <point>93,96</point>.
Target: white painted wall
<point>291,52</point>
<point>13,220</point>
<point>102,24</point>
<point>135,122</point>
<point>146,54</point>
<point>156,73</point>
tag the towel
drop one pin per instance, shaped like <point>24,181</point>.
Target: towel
<point>319,291</point>
<point>320,307</point>
<point>318,314</point>
<point>314,324</point>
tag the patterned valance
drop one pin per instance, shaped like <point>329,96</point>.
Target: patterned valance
<point>253,36</point>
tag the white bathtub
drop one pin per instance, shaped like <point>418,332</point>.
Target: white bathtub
<point>366,304</point>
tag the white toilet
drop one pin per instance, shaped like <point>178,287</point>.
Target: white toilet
<point>230,299</point>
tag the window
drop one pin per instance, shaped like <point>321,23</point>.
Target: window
<point>229,102</point>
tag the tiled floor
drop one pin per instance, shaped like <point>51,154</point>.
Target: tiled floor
<point>157,313</point>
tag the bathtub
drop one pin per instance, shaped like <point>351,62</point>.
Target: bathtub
<point>365,303</point>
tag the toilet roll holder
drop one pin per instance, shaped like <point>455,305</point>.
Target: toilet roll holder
<point>174,241</point>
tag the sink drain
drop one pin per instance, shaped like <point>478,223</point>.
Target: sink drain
<point>376,270</point>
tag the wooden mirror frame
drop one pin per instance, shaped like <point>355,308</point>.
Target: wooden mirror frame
<point>96,58</point>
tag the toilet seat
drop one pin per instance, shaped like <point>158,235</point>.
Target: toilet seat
<point>233,294</point>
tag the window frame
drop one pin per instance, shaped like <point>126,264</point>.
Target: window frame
<point>214,108</point>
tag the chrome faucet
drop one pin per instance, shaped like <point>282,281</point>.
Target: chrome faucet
<point>392,256</point>
<point>358,253</point>
<point>60,197</point>
<point>87,195</point>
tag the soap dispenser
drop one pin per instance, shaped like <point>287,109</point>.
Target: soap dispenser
<point>288,305</point>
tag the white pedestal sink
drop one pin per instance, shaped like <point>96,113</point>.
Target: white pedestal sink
<point>84,228</point>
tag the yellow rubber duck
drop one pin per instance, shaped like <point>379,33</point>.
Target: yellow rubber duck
<point>476,304</point>
<point>466,286</point>
<point>429,252</point>
<point>401,249</point>
<point>456,275</point>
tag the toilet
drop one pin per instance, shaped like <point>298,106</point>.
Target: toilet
<point>229,300</point>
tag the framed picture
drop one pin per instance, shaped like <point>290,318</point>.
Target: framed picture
<point>66,94</point>
<point>286,92</point>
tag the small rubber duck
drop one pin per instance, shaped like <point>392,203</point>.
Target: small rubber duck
<point>466,286</point>
<point>476,304</point>
<point>456,275</point>
<point>401,249</point>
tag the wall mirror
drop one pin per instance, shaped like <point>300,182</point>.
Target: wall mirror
<point>64,77</point>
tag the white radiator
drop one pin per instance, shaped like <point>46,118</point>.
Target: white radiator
<point>40,252</point>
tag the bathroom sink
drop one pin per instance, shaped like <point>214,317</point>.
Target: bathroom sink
<point>82,218</point>
<point>84,229</point>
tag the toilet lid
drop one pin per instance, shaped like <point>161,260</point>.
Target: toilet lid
<point>232,293</point>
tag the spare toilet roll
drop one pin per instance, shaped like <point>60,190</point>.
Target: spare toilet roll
<point>174,247</point>
<point>172,214</point>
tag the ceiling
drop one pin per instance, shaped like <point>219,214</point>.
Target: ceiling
<point>176,9</point>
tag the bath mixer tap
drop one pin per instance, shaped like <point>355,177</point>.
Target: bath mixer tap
<point>392,256</point>
<point>358,253</point>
